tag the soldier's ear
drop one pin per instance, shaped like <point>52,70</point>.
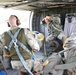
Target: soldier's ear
<point>8,24</point>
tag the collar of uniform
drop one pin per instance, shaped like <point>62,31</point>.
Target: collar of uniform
<point>13,28</point>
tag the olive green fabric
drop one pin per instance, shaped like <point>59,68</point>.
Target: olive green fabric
<point>21,38</point>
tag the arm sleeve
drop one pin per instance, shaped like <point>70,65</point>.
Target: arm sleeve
<point>31,40</point>
<point>2,42</point>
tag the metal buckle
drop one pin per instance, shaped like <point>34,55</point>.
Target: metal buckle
<point>15,43</point>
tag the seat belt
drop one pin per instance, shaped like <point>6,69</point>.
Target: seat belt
<point>15,42</point>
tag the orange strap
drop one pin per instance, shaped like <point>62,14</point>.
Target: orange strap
<point>6,55</point>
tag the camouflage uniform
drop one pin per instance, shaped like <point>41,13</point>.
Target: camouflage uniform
<point>15,62</point>
<point>71,54</point>
<point>54,28</point>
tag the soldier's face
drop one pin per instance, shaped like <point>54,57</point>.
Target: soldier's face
<point>47,21</point>
<point>12,21</point>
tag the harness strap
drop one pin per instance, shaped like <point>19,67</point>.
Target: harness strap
<point>13,38</point>
<point>15,41</point>
<point>22,60</point>
<point>24,47</point>
<point>66,66</point>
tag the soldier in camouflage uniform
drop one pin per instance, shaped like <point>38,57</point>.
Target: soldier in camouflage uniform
<point>24,36</point>
<point>70,55</point>
<point>54,30</point>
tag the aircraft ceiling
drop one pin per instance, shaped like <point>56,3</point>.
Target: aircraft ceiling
<point>37,4</point>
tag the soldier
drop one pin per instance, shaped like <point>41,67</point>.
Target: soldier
<point>26,38</point>
<point>54,30</point>
<point>70,56</point>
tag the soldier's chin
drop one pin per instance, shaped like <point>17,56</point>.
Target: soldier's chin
<point>12,25</point>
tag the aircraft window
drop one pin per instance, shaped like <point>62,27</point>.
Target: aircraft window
<point>23,15</point>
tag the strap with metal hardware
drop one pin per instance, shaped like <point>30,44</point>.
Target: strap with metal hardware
<point>15,42</point>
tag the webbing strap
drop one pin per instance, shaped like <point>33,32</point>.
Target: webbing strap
<point>15,41</point>
<point>66,66</point>
<point>24,47</point>
<point>22,60</point>
<point>13,37</point>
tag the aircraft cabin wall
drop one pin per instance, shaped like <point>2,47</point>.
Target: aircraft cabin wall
<point>37,17</point>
